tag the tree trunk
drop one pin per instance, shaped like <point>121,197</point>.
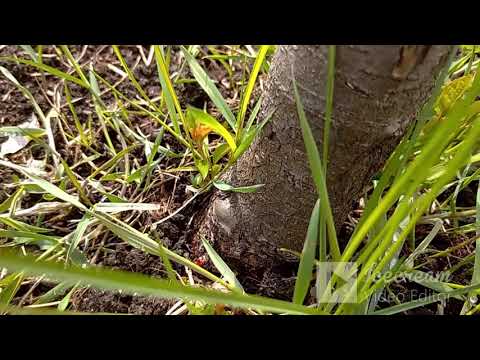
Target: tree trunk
<point>372,110</point>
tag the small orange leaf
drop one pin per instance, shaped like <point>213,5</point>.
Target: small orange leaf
<point>199,132</point>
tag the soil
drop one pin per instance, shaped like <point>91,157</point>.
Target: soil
<point>176,233</point>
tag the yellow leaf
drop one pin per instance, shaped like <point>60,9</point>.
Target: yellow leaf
<point>452,92</point>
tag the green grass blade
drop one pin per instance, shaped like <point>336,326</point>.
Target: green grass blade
<point>391,167</point>
<point>221,266</point>
<point>171,99</point>
<point>52,294</point>
<point>305,268</point>
<point>424,244</point>
<point>21,226</point>
<point>50,70</point>
<point>329,105</point>
<point>113,161</point>
<point>144,285</point>
<point>78,125</point>
<point>45,120</point>
<point>78,234</point>
<point>152,114</point>
<point>322,257</point>
<point>477,206</point>
<point>472,298</point>
<point>318,175</point>
<point>428,281</point>
<point>424,202</point>
<point>322,233</point>
<point>396,162</point>
<point>63,304</point>
<point>203,167</point>
<point>8,279</point>
<point>167,264</point>
<point>99,109</point>
<point>74,63</point>
<point>209,87</point>
<point>250,85</point>
<point>132,78</point>
<point>16,130</point>
<point>253,116</point>
<point>94,89</point>
<point>220,152</point>
<point>223,186</point>
<point>7,204</point>
<point>247,140</point>
<point>29,235</point>
<point>76,184</point>
<point>249,136</point>
<point>45,185</point>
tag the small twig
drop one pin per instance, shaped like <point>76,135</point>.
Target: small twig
<point>100,247</point>
<point>22,300</point>
<point>154,225</point>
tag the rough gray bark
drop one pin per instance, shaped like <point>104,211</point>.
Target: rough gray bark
<point>371,113</point>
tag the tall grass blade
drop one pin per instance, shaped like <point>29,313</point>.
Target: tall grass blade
<point>78,235</point>
<point>76,184</point>
<point>145,285</point>
<point>45,185</point>
<point>74,63</point>
<point>250,85</point>
<point>49,69</point>
<point>329,104</point>
<point>221,266</point>
<point>318,175</point>
<point>209,87</point>
<point>305,268</point>
<point>171,99</point>
<point>132,78</point>
<point>21,226</point>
